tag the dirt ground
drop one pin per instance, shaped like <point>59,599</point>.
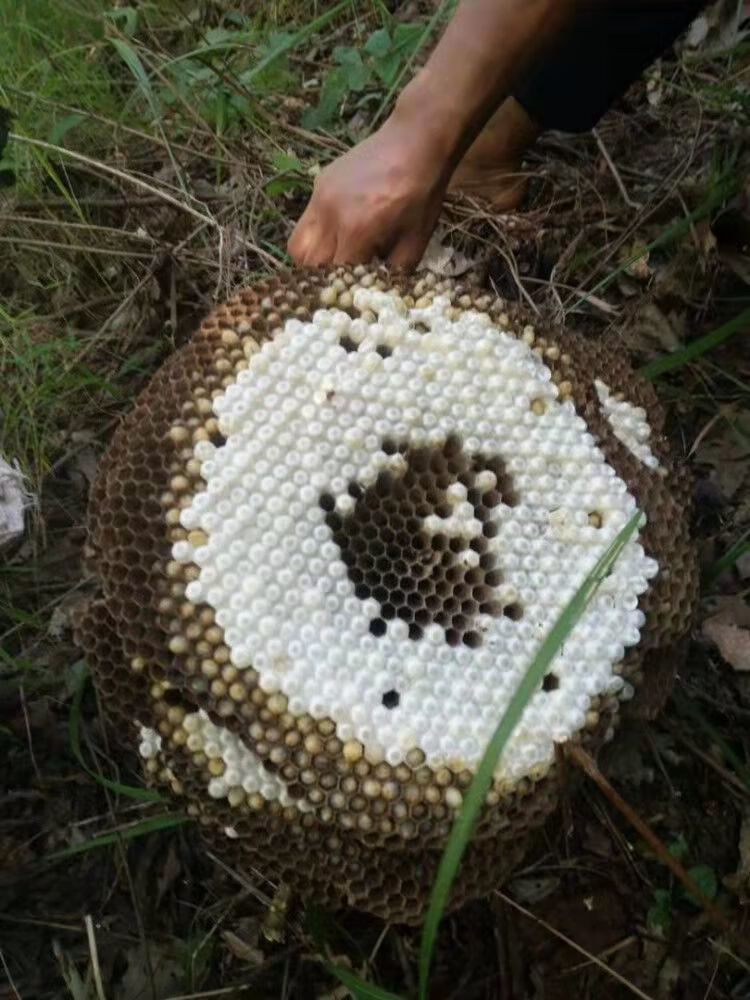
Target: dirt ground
<point>132,197</point>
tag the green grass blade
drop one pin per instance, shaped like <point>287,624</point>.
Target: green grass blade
<point>360,988</point>
<point>725,186</point>
<point>150,825</point>
<point>688,707</point>
<point>462,828</point>
<point>429,28</point>
<point>739,323</point>
<point>730,557</point>
<point>74,736</point>
<point>296,39</point>
<point>133,61</point>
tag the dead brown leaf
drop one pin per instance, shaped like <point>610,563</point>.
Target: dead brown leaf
<point>729,630</point>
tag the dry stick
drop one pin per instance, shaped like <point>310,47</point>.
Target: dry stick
<point>114,172</point>
<point>94,954</point>
<point>8,976</point>
<point>116,125</point>
<point>78,247</point>
<point>572,944</point>
<point>589,767</point>
<point>615,172</point>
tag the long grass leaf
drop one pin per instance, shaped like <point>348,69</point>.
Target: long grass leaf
<point>360,988</point>
<point>738,324</point>
<point>725,186</point>
<point>296,39</point>
<point>462,828</point>
<point>74,737</point>
<point>133,61</point>
<point>730,557</point>
<point>150,825</point>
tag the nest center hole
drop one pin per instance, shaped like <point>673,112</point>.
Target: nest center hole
<point>421,516</point>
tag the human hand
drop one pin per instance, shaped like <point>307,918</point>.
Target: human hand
<point>381,199</point>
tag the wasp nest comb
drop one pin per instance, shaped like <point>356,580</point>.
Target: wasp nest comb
<point>329,539</point>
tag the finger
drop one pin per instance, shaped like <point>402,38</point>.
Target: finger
<point>355,248</point>
<point>407,251</point>
<point>311,244</point>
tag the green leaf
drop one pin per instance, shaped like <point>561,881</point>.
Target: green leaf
<point>126,18</point>
<point>739,324</point>
<point>406,37</point>
<point>63,125</point>
<point>387,67</point>
<point>292,41</point>
<point>659,915</point>
<point>360,988</point>
<point>286,162</point>
<point>474,797</point>
<point>705,878</point>
<point>280,185</point>
<point>220,37</point>
<point>379,43</point>
<point>332,93</point>
<point>356,74</point>
<point>133,61</point>
<point>678,848</point>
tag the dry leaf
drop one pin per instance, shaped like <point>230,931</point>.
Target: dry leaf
<point>137,981</point>
<point>532,890</point>
<point>244,950</point>
<point>14,499</point>
<point>652,331</point>
<point>717,29</point>
<point>639,268</point>
<point>729,630</point>
<point>444,260</point>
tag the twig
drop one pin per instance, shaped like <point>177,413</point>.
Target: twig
<point>94,953</point>
<point>114,172</point>
<point>78,247</point>
<point>589,767</point>
<point>615,172</point>
<point>8,976</point>
<point>572,944</point>
<point>27,725</point>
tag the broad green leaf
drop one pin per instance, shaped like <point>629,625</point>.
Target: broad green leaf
<point>292,41</point>
<point>63,125</point>
<point>406,37</point>
<point>356,74</point>
<point>705,878</point>
<point>659,916</point>
<point>387,67</point>
<point>287,162</point>
<point>125,17</point>
<point>332,93</point>
<point>458,838</point>
<point>379,43</point>
<point>678,848</point>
